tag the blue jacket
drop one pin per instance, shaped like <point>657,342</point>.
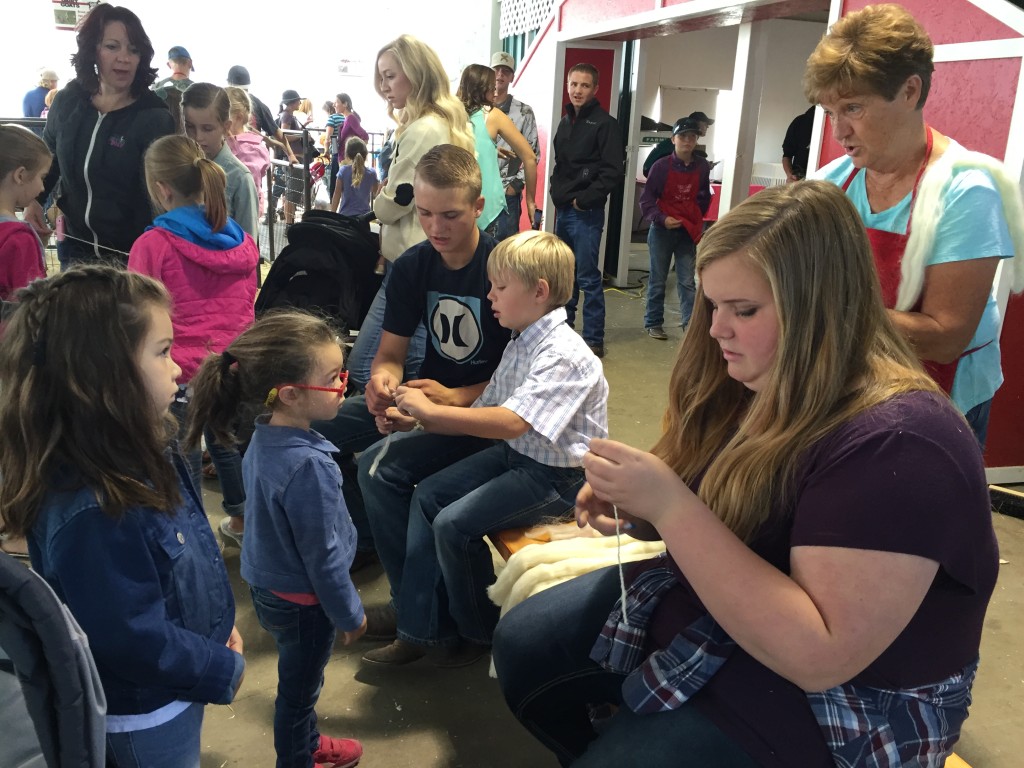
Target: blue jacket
<point>299,537</point>
<point>151,593</point>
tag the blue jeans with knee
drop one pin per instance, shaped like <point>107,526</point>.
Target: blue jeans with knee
<point>411,458</point>
<point>542,656</point>
<point>304,637</point>
<point>448,565</point>
<point>352,431</point>
<point>582,231</point>
<point>360,359</point>
<point>508,220</point>
<point>663,244</point>
<point>174,744</point>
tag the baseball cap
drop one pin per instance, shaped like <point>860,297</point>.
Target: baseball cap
<point>180,52</point>
<point>503,59</point>
<point>238,75</point>
<point>702,118</point>
<point>686,125</point>
<point>290,95</point>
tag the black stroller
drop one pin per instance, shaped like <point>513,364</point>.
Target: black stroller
<point>327,268</point>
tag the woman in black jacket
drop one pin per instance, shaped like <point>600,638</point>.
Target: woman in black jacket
<point>98,129</point>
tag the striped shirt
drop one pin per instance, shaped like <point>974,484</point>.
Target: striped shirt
<point>549,378</point>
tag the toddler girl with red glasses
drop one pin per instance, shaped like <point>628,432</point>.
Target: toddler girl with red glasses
<point>299,539</point>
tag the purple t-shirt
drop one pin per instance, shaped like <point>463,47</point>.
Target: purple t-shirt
<point>355,201</point>
<point>905,476</point>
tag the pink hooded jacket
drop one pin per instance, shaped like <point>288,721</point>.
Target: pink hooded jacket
<point>213,291</point>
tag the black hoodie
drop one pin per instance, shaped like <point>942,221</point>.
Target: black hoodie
<point>98,160</point>
<point>588,157</point>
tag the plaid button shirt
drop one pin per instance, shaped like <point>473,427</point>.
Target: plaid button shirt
<point>863,727</point>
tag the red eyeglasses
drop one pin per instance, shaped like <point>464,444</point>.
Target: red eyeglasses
<point>343,376</point>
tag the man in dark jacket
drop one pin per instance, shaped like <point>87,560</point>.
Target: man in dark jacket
<point>588,164</point>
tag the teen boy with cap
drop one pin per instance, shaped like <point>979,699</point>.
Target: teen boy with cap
<point>665,146</point>
<point>675,199</point>
<point>179,61</point>
<point>513,178</point>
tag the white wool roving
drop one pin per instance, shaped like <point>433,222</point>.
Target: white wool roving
<point>928,210</point>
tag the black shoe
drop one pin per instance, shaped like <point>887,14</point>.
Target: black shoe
<point>597,349</point>
<point>462,655</point>
<point>381,623</point>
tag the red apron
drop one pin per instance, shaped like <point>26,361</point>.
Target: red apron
<point>888,249</point>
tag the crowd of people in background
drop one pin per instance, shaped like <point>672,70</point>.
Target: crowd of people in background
<point>469,404</point>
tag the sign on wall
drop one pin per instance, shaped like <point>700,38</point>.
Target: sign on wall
<point>68,13</point>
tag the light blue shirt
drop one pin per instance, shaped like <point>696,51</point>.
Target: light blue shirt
<point>971,226</point>
<point>550,378</point>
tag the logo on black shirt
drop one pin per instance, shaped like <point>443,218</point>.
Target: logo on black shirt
<point>455,326</point>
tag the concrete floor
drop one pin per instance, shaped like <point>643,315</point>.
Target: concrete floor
<point>420,716</point>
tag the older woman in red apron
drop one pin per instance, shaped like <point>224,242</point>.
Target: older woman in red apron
<point>871,74</point>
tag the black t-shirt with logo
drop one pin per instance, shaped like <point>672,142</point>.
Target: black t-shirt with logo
<point>464,340</point>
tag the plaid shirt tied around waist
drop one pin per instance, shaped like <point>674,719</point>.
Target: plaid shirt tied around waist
<point>863,727</point>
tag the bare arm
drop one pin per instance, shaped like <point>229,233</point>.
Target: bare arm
<point>386,372</point>
<point>952,303</point>
<point>504,127</point>
<point>494,422</point>
<point>817,627</point>
<point>336,197</point>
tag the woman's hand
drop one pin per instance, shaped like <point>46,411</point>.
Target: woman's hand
<point>600,515</point>
<point>637,482</point>
<point>531,211</point>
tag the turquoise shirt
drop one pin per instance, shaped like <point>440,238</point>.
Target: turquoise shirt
<point>487,156</point>
<point>971,226</point>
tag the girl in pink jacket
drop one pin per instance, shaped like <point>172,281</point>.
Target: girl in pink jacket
<point>24,161</point>
<point>207,262</point>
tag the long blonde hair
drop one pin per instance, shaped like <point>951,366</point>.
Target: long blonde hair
<point>837,353</point>
<point>431,90</point>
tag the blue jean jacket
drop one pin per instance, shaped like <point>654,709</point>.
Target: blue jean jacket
<point>151,593</point>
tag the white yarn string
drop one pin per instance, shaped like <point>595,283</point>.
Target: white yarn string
<point>379,456</point>
<point>618,554</point>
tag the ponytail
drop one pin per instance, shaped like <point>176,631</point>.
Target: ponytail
<point>279,348</point>
<point>214,186</point>
<point>355,151</point>
<point>180,163</point>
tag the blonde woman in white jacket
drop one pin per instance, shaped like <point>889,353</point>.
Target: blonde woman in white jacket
<point>412,80</point>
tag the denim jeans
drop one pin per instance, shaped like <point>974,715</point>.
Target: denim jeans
<point>448,566</point>
<point>228,462</point>
<point>175,744</point>
<point>360,359</point>
<point>304,637</point>
<point>582,231</point>
<point>411,458</point>
<point>352,431</point>
<point>542,656</point>
<point>663,244</point>
<point>977,418</point>
<point>508,220</point>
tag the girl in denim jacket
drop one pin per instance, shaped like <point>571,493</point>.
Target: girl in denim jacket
<point>299,539</point>
<point>113,522</point>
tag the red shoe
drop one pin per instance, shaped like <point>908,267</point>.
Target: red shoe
<point>337,753</point>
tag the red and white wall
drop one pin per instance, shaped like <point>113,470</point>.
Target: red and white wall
<point>976,98</point>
